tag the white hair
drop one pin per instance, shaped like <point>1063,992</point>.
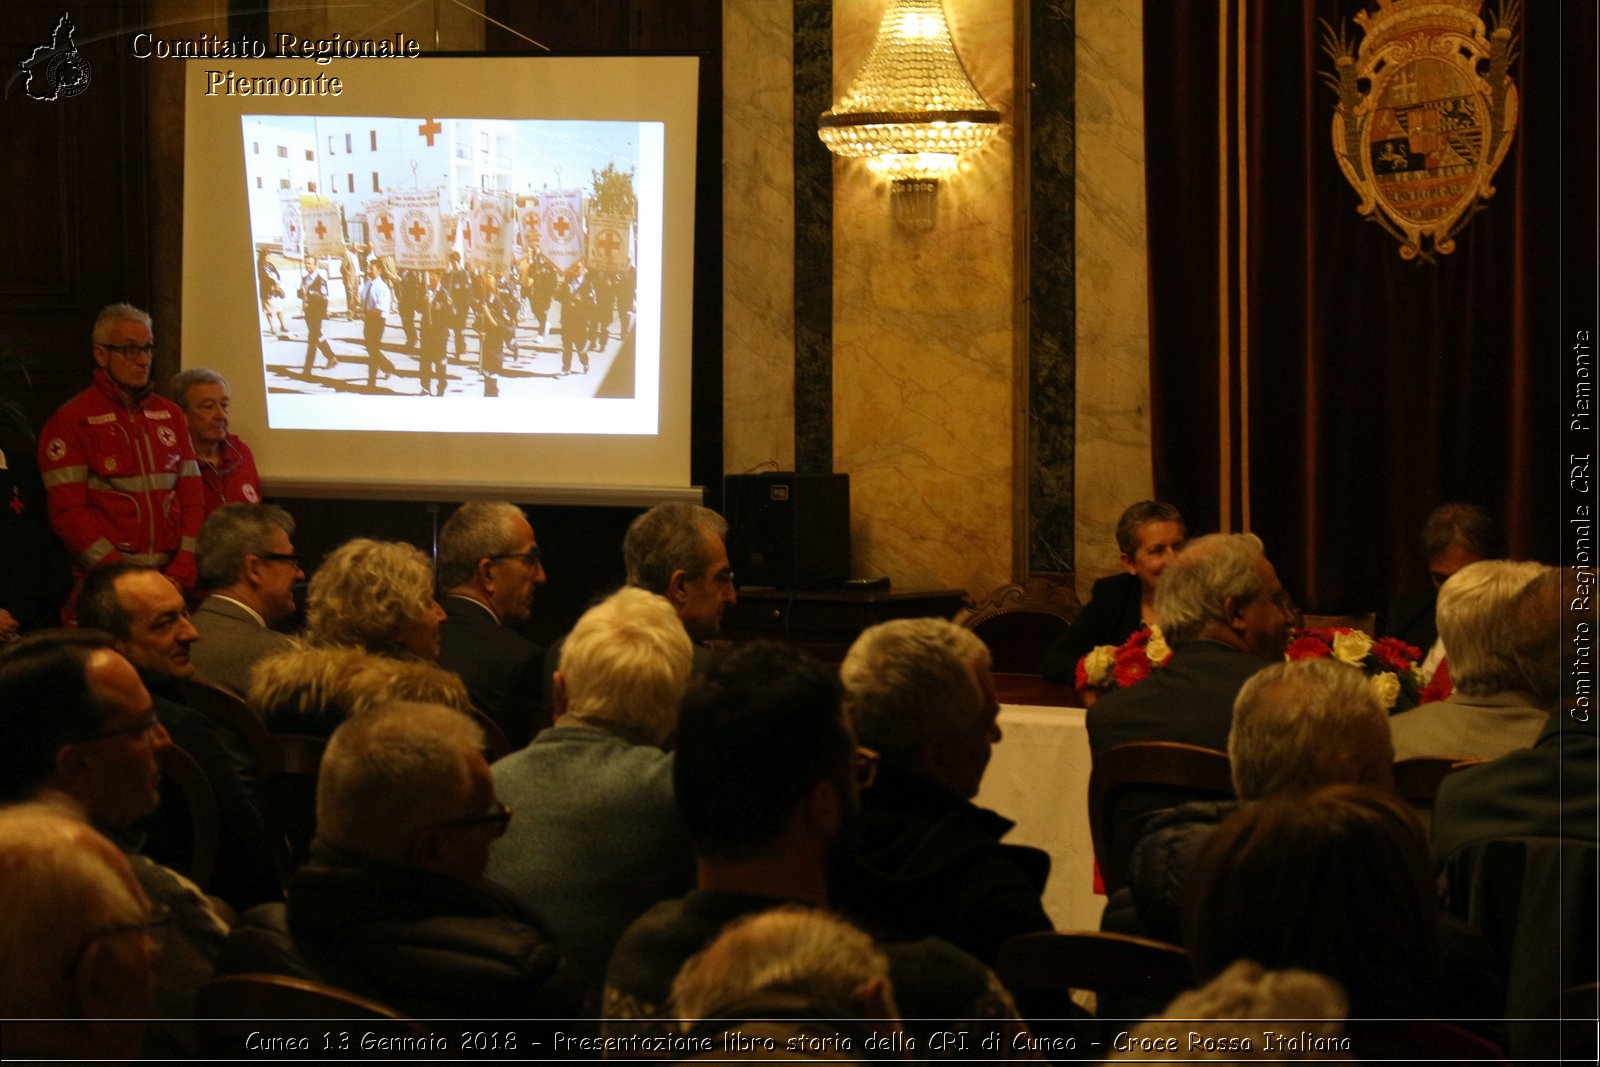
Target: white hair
<point>1303,725</point>
<point>1202,577</point>
<point>1475,623</point>
<point>626,665</point>
<point>909,681</point>
<point>390,773</point>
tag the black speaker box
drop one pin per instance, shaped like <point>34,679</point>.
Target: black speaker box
<point>788,530</point>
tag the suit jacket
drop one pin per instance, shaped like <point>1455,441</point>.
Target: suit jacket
<point>1110,616</point>
<point>501,667</point>
<point>1411,619</point>
<point>1189,700</point>
<point>231,641</point>
<point>1470,727</point>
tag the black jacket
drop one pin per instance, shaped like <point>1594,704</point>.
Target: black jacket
<point>1110,616</point>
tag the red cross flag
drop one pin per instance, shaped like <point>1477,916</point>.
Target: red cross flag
<point>607,243</point>
<point>420,233</point>
<point>293,230</point>
<point>490,222</point>
<point>528,223</point>
<point>381,227</point>
<point>561,227</point>
<point>324,227</point>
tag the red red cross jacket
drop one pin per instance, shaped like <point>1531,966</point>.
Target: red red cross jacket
<point>122,480</point>
<point>232,481</point>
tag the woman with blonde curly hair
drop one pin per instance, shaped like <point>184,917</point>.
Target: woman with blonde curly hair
<point>376,595</point>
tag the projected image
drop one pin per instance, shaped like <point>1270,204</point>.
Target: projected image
<point>448,260</point>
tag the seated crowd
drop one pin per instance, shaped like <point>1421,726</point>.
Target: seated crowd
<point>644,834</point>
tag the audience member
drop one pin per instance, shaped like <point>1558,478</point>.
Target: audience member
<point>249,565</point>
<point>376,595</point>
<point>80,730</point>
<point>770,820</point>
<point>34,574</point>
<point>78,941</point>
<point>227,466</point>
<point>311,689</point>
<point>799,977</point>
<point>1296,727</point>
<point>121,476</point>
<point>1338,883</point>
<point>1149,535</point>
<point>1454,535</point>
<point>145,616</point>
<point>1492,709</point>
<point>928,860</point>
<point>607,841</point>
<point>393,904</point>
<point>489,569</point>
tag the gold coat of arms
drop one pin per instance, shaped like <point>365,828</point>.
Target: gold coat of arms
<point>1425,115</point>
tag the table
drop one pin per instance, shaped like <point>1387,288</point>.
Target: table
<point>1038,777</point>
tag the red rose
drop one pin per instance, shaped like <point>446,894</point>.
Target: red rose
<point>1395,653</point>
<point>1307,647</point>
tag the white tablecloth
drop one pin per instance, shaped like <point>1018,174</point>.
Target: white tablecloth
<point>1038,777</point>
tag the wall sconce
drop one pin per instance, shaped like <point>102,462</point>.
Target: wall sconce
<point>911,110</point>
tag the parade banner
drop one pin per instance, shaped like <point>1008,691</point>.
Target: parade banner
<point>419,241</point>
<point>528,223</point>
<point>487,231</point>
<point>324,226</point>
<point>289,204</point>
<point>381,227</point>
<point>561,228</point>
<point>608,243</point>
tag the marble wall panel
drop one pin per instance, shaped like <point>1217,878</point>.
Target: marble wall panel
<point>758,246</point>
<point>1113,370</point>
<point>923,336</point>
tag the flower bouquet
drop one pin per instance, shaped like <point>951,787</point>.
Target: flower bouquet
<point>1119,666</point>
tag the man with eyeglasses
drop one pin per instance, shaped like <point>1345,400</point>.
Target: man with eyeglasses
<point>81,732</point>
<point>249,566</point>
<point>149,624</point>
<point>393,904</point>
<point>489,569</point>
<point>119,470</point>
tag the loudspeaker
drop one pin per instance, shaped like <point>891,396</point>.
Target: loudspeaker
<point>788,530</point>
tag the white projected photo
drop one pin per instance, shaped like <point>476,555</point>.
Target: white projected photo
<point>450,258</point>
<point>455,270</point>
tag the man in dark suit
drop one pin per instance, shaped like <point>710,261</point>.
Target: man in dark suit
<point>489,567</point>
<point>438,318</point>
<point>1455,535</point>
<point>314,301</point>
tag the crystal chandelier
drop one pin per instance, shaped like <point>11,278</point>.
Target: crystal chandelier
<point>911,111</point>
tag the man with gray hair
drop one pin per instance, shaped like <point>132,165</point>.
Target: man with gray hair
<point>1296,727</point>
<point>120,474</point>
<point>393,904</point>
<point>929,861</point>
<point>607,840</point>
<point>249,565</point>
<point>678,551</point>
<point>1225,615</point>
<point>227,466</point>
<point>489,568</point>
<point>1494,708</point>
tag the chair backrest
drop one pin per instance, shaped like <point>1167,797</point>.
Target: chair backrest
<point>204,822</point>
<point>495,743</point>
<point>228,710</point>
<point>231,1008</point>
<point>1365,621</point>
<point>1019,621</point>
<point>1178,771</point>
<point>1113,966</point>
<point>287,793</point>
<point>1416,780</point>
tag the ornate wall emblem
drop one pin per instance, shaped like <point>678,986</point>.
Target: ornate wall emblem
<point>1425,115</point>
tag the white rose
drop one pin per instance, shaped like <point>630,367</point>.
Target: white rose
<point>1351,647</point>
<point>1097,664</point>
<point>1387,686</point>
<point>1156,648</point>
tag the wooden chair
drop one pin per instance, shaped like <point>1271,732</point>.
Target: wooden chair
<point>1019,622</point>
<point>230,1009</point>
<point>1365,621</point>
<point>1181,772</point>
<point>495,742</point>
<point>288,796</point>
<point>201,801</point>
<point>1129,976</point>
<point>1416,780</point>
<point>228,710</point>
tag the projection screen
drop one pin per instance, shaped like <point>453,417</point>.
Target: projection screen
<point>551,201</point>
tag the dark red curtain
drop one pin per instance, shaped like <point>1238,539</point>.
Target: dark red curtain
<point>1372,388</point>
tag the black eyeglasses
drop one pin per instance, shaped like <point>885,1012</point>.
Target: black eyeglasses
<point>144,727</point>
<point>131,350</point>
<point>498,818</point>
<point>864,766</point>
<point>280,557</point>
<point>530,557</point>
